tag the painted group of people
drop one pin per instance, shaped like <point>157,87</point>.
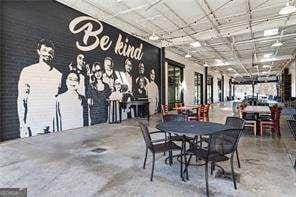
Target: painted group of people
<point>42,108</point>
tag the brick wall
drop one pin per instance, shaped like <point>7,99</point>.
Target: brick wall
<point>24,24</point>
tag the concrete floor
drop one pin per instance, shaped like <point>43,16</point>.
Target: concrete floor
<point>63,164</point>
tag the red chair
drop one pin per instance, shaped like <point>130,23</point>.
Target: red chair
<point>273,123</point>
<point>206,112</point>
<point>164,110</point>
<point>202,113</point>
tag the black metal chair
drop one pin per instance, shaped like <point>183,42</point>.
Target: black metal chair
<point>155,147</point>
<point>175,138</point>
<point>175,118</point>
<point>292,125</point>
<point>235,123</point>
<point>221,147</point>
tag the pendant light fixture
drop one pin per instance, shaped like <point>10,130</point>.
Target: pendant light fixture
<point>288,9</point>
<point>277,44</point>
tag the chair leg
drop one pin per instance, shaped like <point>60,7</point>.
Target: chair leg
<point>145,158</point>
<point>295,164</point>
<point>212,168</point>
<point>238,162</point>
<point>255,129</point>
<point>152,169</point>
<point>207,177</point>
<point>186,167</point>
<point>232,171</point>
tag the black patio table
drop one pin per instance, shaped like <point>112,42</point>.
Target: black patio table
<point>190,128</point>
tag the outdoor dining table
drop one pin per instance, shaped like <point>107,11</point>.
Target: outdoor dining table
<point>257,109</point>
<point>189,129</point>
<point>183,108</point>
<point>186,109</point>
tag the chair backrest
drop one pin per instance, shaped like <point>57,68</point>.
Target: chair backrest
<point>164,110</point>
<point>224,143</point>
<point>177,105</point>
<point>174,118</point>
<point>250,116</point>
<point>292,125</point>
<point>275,113</point>
<point>235,122</point>
<point>146,136</point>
<point>201,110</point>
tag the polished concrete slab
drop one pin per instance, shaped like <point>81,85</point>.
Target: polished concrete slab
<point>64,164</point>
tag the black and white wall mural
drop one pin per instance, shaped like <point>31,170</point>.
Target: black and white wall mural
<point>63,66</point>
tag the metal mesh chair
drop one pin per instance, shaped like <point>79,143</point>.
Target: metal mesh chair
<point>175,118</point>
<point>221,147</point>
<point>292,125</point>
<point>236,123</point>
<point>175,138</point>
<point>155,147</point>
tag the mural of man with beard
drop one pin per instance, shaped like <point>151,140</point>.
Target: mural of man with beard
<point>83,71</point>
<point>153,94</point>
<point>109,75</point>
<point>36,103</point>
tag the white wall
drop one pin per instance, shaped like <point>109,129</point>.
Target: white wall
<point>190,68</point>
<point>226,87</point>
<point>217,75</point>
<point>292,71</point>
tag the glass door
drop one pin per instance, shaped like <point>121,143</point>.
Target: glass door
<point>210,88</point>
<point>175,90</point>
<point>198,84</point>
<point>220,90</point>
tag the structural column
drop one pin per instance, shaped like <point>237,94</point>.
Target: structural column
<point>206,88</point>
<point>162,74</point>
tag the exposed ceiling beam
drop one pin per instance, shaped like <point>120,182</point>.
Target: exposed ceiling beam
<point>229,42</point>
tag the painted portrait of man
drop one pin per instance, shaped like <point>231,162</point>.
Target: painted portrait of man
<point>37,89</point>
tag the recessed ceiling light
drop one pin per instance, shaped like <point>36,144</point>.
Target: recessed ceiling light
<point>118,1</point>
<point>188,55</point>
<point>271,32</point>
<point>219,62</point>
<point>230,69</point>
<point>277,44</point>
<point>267,55</point>
<point>288,9</point>
<point>153,37</point>
<point>195,44</point>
